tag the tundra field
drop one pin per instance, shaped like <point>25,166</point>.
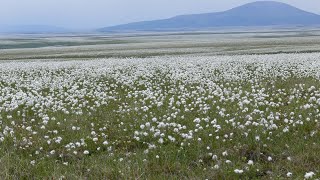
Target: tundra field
<point>160,107</point>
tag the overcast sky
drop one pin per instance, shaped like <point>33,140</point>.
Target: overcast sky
<point>87,14</point>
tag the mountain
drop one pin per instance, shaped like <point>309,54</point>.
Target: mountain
<point>260,13</point>
<point>32,29</point>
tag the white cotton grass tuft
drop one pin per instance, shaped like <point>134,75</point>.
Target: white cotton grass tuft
<point>86,152</point>
<point>238,171</point>
<point>84,108</point>
<point>309,175</point>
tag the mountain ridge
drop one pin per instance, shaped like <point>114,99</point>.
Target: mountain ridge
<point>260,13</point>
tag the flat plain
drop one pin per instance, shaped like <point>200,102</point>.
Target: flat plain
<point>89,46</point>
<point>206,105</point>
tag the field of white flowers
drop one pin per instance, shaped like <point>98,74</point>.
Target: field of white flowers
<point>202,117</point>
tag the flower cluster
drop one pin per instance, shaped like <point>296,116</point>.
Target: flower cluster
<point>63,109</point>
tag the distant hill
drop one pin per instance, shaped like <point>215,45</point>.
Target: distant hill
<point>32,29</point>
<point>261,13</point>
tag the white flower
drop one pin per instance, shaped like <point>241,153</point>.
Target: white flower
<point>33,162</point>
<point>197,120</point>
<point>214,157</point>
<point>238,171</point>
<point>225,153</point>
<point>86,152</point>
<point>250,162</point>
<point>309,175</point>
<point>289,174</point>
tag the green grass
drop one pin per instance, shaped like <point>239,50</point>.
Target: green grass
<point>127,158</point>
<point>174,162</point>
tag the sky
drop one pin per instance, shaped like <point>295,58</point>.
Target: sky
<point>91,14</point>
